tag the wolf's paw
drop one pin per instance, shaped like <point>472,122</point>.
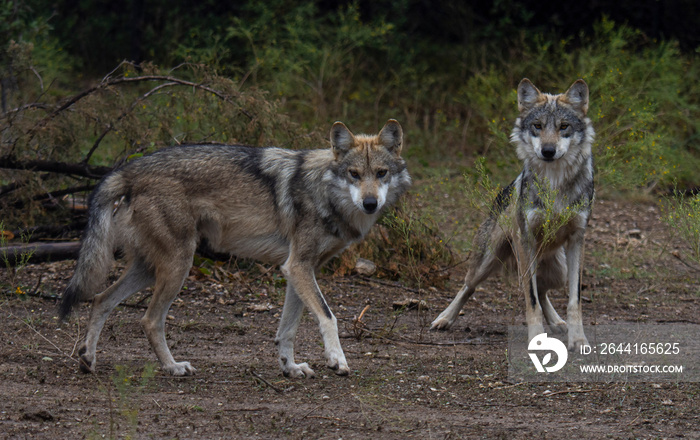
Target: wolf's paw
<point>339,364</point>
<point>86,361</point>
<point>296,371</point>
<point>442,322</point>
<point>180,369</point>
<point>559,328</point>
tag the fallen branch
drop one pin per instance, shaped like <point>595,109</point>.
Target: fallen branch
<point>38,252</point>
<point>77,169</point>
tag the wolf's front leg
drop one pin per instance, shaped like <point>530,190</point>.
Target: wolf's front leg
<point>527,261</point>
<point>291,316</point>
<point>301,276</point>
<point>574,317</point>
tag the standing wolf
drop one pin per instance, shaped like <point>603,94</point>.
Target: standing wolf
<point>293,208</point>
<point>553,138</point>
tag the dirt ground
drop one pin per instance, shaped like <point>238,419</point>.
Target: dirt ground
<point>406,381</point>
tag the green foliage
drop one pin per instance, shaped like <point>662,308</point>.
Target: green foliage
<point>128,387</point>
<point>29,55</point>
<point>14,264</point>
<point>480,190</point>
<point>643,102</point>
<point>639,93</point>
<point>309,59</point>
<point>682,215</point>
<point>555,210</point>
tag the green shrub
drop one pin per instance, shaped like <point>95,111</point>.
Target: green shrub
<point>682,215</point>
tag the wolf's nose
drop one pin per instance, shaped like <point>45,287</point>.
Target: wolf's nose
<point>548,151</point>
<point>370,204</point>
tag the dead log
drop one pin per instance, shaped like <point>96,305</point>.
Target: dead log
<point>39,252</point>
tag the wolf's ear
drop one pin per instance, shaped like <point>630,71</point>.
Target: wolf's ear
<point>342,140</point>
<point>391,136</point>
<point>528,95</point>
<point>577,95</point>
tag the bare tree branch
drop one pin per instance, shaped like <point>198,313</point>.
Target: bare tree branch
<point>77,169</point>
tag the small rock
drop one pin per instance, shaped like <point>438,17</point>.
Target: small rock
<point>260,307</point>
<point>635,233</point>
<point>38,416</point>
<point>365,267</point>
<point>410,304</point>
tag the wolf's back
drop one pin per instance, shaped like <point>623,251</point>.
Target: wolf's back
<point>97,247</point>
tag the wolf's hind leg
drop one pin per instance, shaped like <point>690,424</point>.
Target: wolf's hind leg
<point>448,316</point>
<point>136,277</point>
<point>291,316</point>
<point>169,280</point>
<point>478,272</point>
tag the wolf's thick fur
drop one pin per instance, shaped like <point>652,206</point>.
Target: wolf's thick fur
<point>553,137</point>
<point>293,208</point>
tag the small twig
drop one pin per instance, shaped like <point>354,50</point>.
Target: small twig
<point>35,294</point>
<point>335,419</point>
<point>257,376</point>
<point>505,387</point>
<point>109,75</point>
<point>357,325</point>
<point>41,81</point>
<point>390,284</point>
<point>359,318</point>
<point>38,283</point>
<point>148,295</point>
<point>61,352</point>
<point>571,392</point>
<point>635,419</point>
<point>313,409</point>
<point>678,256</point>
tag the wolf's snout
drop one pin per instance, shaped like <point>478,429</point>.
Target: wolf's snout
<point>370,204</point>
<point>548,152</point>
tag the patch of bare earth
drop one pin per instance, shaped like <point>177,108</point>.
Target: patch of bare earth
<point>406,381</point>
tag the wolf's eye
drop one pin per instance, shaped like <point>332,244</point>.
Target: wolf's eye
<point>381,173</point>
<point>354,174</point>
<point>563,126</point>
<point>537,126</point>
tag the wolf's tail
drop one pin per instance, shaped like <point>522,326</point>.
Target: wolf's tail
<point>97,248</point>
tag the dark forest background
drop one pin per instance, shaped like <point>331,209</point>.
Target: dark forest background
<point>88,85</point>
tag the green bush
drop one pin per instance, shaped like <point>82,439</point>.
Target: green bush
<point>682,215</point>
